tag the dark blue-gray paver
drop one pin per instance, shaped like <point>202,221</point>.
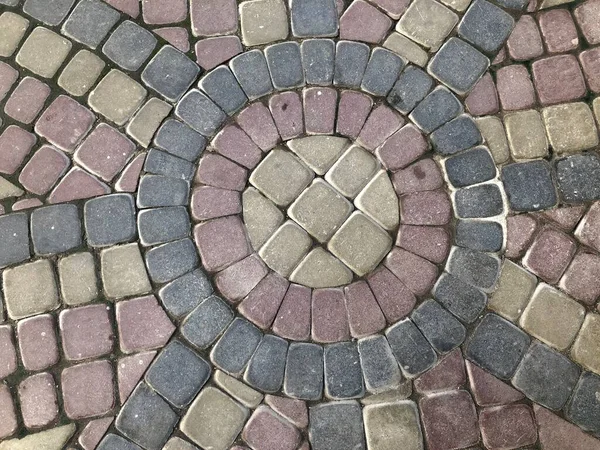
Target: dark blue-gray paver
<point>180,140</point>
<point>129,46</point>
<point>50,12</point>
<point>178,374</point>
<point>266,369</point>
<point>443,331</point>
<point>235,348</point>
<point>116,442</point>
<point>456,135</point>
<point>163,163</point>
<point>458,65</point>
<point>90,22</point>
<point>146,418</point>
<point>251,70</point>
<point>285,65</point>
<point>205,323</point>
<point>382,72</point>
<point>351,60</point>
<point>484,200</point>
<point>486,26</point>
<point>479,235</point>
<point>546,376</point>
<point>343,374</point>
<point>436,109</point>
<point>169,261</point>
<point>318,60</point>
<point>410,348</point>
<point>463,300</point>
<point>497,345</point>
<point>14,235</point>
<point>336,426</point>
<point>476,268</point>
<point>470,167</point>
<point>529,186</point>
<point>109,220</point>
<point>160,225</point>
<point>157,190</point>
<point>200,113</point>
<point>578,178</point>
<point>412,86</point>
<point>380,368</point>
<point>584,406</point>
<point>513,4</point>
<point>170,73</point>
<point>185,293</point>
<point>55,229</point>
<point>314,18</point>
<point>304,371</point>
<point>222,87</point>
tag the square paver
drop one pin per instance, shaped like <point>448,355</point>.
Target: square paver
<point>571,127</point>
<point>550,254</point>
<point>44,169</point>
<point>263,21</point>
<point>37,342</point>
<point>81,73</point>
<point>38,400</point>
<point>43,52</point>
<point>486,26</point>
<point>313,18</point>
<point>585,349</point>
<point>27,100</point>
<point>355,168</point>
<point>55,229</point>
<point>50,12</point>
<point>123,271</point>
<point>117,97</point>
<point>170,73</point>
<point>15,145</point>
<point>147,120</point>
<point>110,220</point>
<point>14,234</point>
<point>12,30</point>
<point>526,135</point>
<point>88,389</point>
<point>513,291</point>
<point>77,275</point>
<point>90,22</point>
<point>558,79</point>
<point>427,22</point>
<point>86,332</point>
<point>581,280</point>
<point>286,247</point>
<point>129,45</point>
<point>529,186</point>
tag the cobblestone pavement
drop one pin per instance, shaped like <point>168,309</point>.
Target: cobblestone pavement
<point>301,224</point>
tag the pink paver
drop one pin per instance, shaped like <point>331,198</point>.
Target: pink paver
<point>525,41</point>
<point>364,22</point>
<point>130,7</point>
<point>320,106</point>
<point>416,273</point>
<point>77,184</point>
<point>213,17</point>
<point>176,36</point>
<point>8,418</point>
<point>220,172</point>
<point>394,8</point>
<point>8,76</point>
<point>566,217</point>
<point>213,51</point>
<point>381,124</point>
<point>515,87</point>
<point>558,434</point>
<point>37,342</point>
<point>268,431</point>
<point>8,354</point>
<point>364,315</point>
<point>142,324</point>
<point>27,100</point>
<point>209,203</point>
<point>39,404</point>
<point>426,208</point>
<point>587,16</point>
<point>237,280</point>
<point>257,122</point>
<point>588,231</point>
<point>483,98</point>
<point>221,242</point>
<point>558,79</point>
<point>424,175</point>
<point>263,302</point>
<point>519,234</point>
<point>558,30</point>
<point>88,389</point>
<point>582,278</point>
<point>93,433</point>
<point>293,410</point>
<point>130,370</point>
<point>395,300</point>
<point>489,390</point>
<point>402,148</point>
<point>447,374</point>
<point>26,203</point>
<point>293,318</point>
<point>104,152</point>
<point>130,177</point>
<point>86,332</point>
<point>329,317</point>
<point>236,145</point>
<point>43,170</point>
<point>64,123</point>
<point>550,254</point>
<point>286,109</point>
<point>353,110</point>
<point>510,426</point>
<point>15,145</point>
<point>431,243</point>
<point>590,62</point>
<point>158,12</point>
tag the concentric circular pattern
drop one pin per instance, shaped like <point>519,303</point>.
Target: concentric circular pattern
<point>324,233</point>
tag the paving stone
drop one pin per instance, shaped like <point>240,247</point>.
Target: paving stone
<point>458,76</point>
<point>414,272</point>
<point>511,425</point>
<point>128,7</point>
<point>516,92</point>
<point>352,171</point>
<point>329,318</point>
<point>235,348</point>
<point>471,167</point>
<point>320,106</point>
<point>8,351</point>
<point>525,41</point>
<point>49,439</point>
<point>476,268</point>
<point>406,48</point>
<point>174,65</point>
<point>458,134</point>
<point>213,420</point>
<point>436,109</point>
<point>9,424</point>
<point>529,186</point>
<point>438,326</point>
<point>176,443</point>
<point>304,371</point>
<point>464,301</point>
<point>117,97</point>
<point>86,332</point>
<point>486,26</point>
<point>90,22</point>
<point>158,190</point>
<point>489,390</point>
<point>382,71</point>
<point>263,21</point>
<point>293,410</point>
<point>483,98</point>
<point>88,389</point>
<point>556,432</point>
<point>583,408</point>
<point>110,220</point>
<point>449,420</point>
<point>129,46</point>
<point>586,232</point>
<point>37,342</point>
<point>157,226</point>
<point>381,124</point>
<point>423,175</point>
<point>318,152</point>
<point>353,109</point>
<point>75,185</point>
<point>584,351</point>
<point>493,133</point>
<point>585,15</point>
<point>578,177</point>
<point>81,73</point>
<point>570,127</point>
<point>393,297</point>
<point>480,236</point>
<point>206,322</point>
<point>558,79</point>
<point>115,442</point>
<point>319,269</point>
<point>27,100</point>
<point>9,76</point>
<point>51,13</point>
<point>155,12</point>
<point>15,145</point>
<point>162,163</point>
<point>183,294</point>
<point>426,208</point>
<point>336,426</point>
<point>318,60</point>
<point>379,201</point>
<point>215,17</point>
<point>180,140</point>
<point>389,423</point>
<point>550,242</point>
<point>13,30</point>
<point>293,317</point>
<point>363,22</point>
<point>252,73</point>
<point>410,348</point>
<point>447,374</point>
<point>147,120</point>
<point>285,65</point>
<point>284,250</point>
<point>238,280</point>
<point>266,429</point>
<point>379,367</point>
<point>313,19</point>
<point>479,201</point>
<point>580,280</point>
<point>558,30</point>
<point>123,271</point>
<point>351,59</point>
<point>286,109</point>
<point>223,89</point>
<point>589,63</point>
<point>221,242</point>
<point>427,22</point>
<point>55,229</point>
<point>169,261</point>
<point>213,51</point>
<point>526,135</point>
<point>343,376</point>
<point>266,368</point>
<point>257,122</point>
<point>411,87</point>
<point>200,113</point>
<point>77,276</point>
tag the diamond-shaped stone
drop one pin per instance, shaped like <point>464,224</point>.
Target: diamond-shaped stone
<point>318,152</point>
<point>352,171</point>
<point>284,250</point>
<point>360,243</point>
<point>320,269</point>
<point>379,201</point>
<point>261,217</point>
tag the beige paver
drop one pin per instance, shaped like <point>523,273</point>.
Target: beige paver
<point>263,21</point>
<point>176,443</point>
<point>43,52</point>
<point>320,269</point>
<point>12,30</point>
<point>238,390</point>
<point>261,217</point>
<point>387,424</point>
<point>514,289</point>
<point>493,133</point>
<point>52,439</point>
<point>379,201</point>
<point>586,350</point>
<point>526,135</point>
<point>77,275</point>
<point>8,190</point>
<point>319,152</point>
<point>284,250</point>
<point>355,168</point>
<point>147,120</point>
<point>406,48</point>
<point>570,127</point>
<point>427,22</point>
<point>80,74</point>
<point>123,271</point>
<point>457,5</point>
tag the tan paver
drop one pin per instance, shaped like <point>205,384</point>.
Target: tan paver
<point>493,133</point>
<point>263,21</point>
<point>526,135</point>
<point>379,201</point>
<point>406,48</point>
<point>147,120</point>
<point>570,127</point>
<point>320,269</point>
<point>284,250</point>
<point>427,22</point>
<point>261,217</point>
<point>52,439</point>
<point>123,271</point>
<point>77,275</point>
<point>319,152</point>
<point>12,30</point>
<point>238,390</point>
<point>514,289</point>
<point>387,424</point>
<point>586,350</point>
<point>352,171</point>
<point>80,74</point>
<point>43,52</point>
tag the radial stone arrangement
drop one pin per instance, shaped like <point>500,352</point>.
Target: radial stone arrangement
<point>299,224</point>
